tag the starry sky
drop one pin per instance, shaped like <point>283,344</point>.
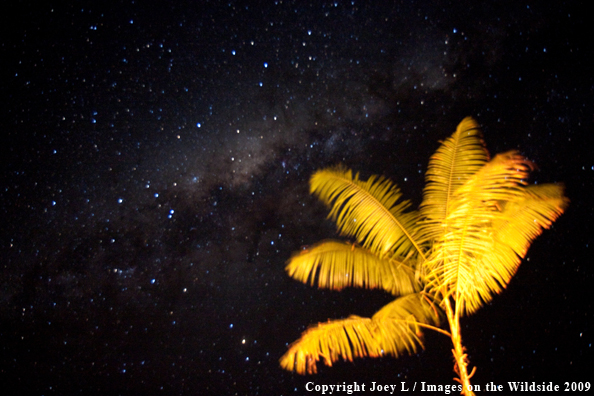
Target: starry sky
<point>155,167</point>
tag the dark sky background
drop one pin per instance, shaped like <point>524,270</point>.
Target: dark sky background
<point>155,167</point>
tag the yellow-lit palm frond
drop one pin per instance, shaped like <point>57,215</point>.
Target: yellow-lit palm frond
<point>459,157</point>
<point>336,265</point>
<point>344,338</point>
<point>520,223</point>
<point>418,308</point>
<point>484,233</point>
<point>500,180</point>
<point>368,211</point>
<point>394,330</point>
<point>525,218</point>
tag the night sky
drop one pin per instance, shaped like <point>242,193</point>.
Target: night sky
<point>155,167</point>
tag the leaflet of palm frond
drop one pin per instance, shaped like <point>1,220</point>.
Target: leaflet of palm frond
<point>336,265</point>
<point>368,210</point>
<point>458,157</point>
<point>391,332</point>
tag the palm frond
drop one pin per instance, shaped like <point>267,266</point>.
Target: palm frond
<point>336,265</point>
<point>345,338</point>
<point>524,219</point>
<point>520,223</point>
<point>492,219</point>
<point>500,180</point>
<point>459,157</point>
<point>394,330</point>
<point>368,211</point>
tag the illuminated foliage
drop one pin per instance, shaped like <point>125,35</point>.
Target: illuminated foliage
<point>446,260</point>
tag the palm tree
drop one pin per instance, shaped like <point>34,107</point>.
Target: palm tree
<point>443,261</point>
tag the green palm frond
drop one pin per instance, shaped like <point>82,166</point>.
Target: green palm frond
<point>336,265</point>
<point>394,330</point>
<point>368,211</point>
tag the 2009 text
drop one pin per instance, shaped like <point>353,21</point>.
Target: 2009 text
<point>576,386</point>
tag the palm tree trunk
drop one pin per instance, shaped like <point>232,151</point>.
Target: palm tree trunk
<point>461,361</point>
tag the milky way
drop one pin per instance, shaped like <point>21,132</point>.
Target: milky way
<point>155,171</point>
